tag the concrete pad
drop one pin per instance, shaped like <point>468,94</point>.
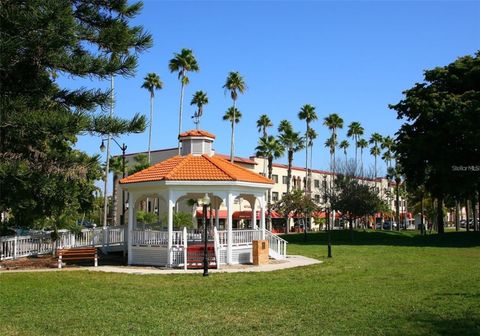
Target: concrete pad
<point>274,265</point>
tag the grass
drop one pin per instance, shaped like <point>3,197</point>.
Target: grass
<point>385,283</point>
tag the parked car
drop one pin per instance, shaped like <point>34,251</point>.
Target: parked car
<point>389,225</point>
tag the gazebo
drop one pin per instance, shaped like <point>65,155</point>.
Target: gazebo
<point>189,176</point>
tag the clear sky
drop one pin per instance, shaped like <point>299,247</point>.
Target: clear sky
<point>351,58</point>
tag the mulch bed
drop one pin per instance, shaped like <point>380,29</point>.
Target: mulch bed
<point>48,261</point>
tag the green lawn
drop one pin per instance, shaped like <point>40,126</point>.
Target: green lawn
<point>382,284</point>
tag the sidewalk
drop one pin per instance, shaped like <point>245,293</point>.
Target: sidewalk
<point>275,265</point>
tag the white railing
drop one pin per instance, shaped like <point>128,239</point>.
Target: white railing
<point>278,246</point>
<point>239,237</point>
<point>41,243</point>
<point>156,238</point>
<point>216,246</point>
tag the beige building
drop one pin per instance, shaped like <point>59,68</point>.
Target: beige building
<point>319,179</point>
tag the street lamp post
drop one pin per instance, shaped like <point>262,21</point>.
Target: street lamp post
<point>327,216</point>
<point>205,201</point>
<point>123,148</point>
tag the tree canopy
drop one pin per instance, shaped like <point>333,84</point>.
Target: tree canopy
<point>42,176</point>
<point>439,143</point>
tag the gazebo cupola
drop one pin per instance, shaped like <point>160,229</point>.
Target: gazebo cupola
<point>197,142</point>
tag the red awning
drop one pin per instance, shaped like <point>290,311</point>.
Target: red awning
<point>237,214</point>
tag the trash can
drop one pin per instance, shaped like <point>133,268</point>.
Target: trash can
<point>260,252</point>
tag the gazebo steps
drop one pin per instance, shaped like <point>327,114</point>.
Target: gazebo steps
<point>195,256</point>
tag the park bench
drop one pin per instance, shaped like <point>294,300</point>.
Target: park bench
<point>77,253</point>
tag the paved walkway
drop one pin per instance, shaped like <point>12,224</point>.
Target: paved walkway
<point>290,262</point>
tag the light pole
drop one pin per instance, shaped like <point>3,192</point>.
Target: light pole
<point>205,201</point>
<point>327,215</point>
<point>123,148</point>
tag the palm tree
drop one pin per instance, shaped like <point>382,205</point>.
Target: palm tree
<point>362,144</point>
<point>344,145</point>
<point>292,142</point>
<point>307,113</point>
<point>285,126</point>
<point>263,123</point>
<point>388,143</point>
<point>355,130</point>
<point>270,148</point>
<point>200,99</point>
<point>183,63</point>
<point>232,114</point>
<point>333,122</point>
<point>331,143</point>
<point>115,167</point>
<point>375,139</point>
<point>151,82</point>
<point>235,84</point>
<point>312,135</point>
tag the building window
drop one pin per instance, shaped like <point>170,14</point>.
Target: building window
<point>317,198</point>
<point>275,178</point>
<point>316,183</point>
<point>284,179</point>
<point>274,196</point>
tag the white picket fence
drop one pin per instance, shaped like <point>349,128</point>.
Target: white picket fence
<point>41,243</point>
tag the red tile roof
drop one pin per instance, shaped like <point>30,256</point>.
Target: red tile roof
<point>198,133</point>
<point>196,168</point>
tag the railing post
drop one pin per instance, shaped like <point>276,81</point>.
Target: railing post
<point>185,257</point>
<point>15,247</point>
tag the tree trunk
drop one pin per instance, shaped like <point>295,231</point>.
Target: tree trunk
<point>180,115</point>
<point>269,194</point>
<point>150,128</point>
<point>440,224</point>
<point>467,210</point>
<point>457,216</point>
<point>289,171</point>
<point>397,207</point>
<point>351,228</point>
<point>232,139</point>
<point>474,211</point>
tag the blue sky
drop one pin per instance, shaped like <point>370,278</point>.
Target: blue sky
<point>351,58</point>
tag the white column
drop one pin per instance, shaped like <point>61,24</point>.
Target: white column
<point>217,217</point>
<point>262,217</point>
<point>254,213</point>
<point>131,218</point>
<point>171,205</point>
<point>230,199</point>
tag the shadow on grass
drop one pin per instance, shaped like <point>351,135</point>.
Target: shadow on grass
<point>434,325</point>
<point>393,238</point>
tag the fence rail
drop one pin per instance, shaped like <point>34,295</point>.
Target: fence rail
<point>41,242</point>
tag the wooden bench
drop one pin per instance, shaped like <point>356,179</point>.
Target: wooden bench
<point>77,253</point>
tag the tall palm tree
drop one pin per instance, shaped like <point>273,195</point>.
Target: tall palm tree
<point>235,84</point>
<point>375,139</point>
<point>292,142</point>
<point>331,144</point>
<point>355,131</point>
<point>200,99</point>
<point>263,123</point>
<point>285,126</point>
<point>388,143</point>
<point>270,148</point>
<point>362,144</point>
<point>232,114</point>
<point>115,167</point>
<point>312,135</point>
<point>344,145</point>
<point>182,63</point>
<point>151,82</point>
<point>307,113</point>
<point>333,122</point>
